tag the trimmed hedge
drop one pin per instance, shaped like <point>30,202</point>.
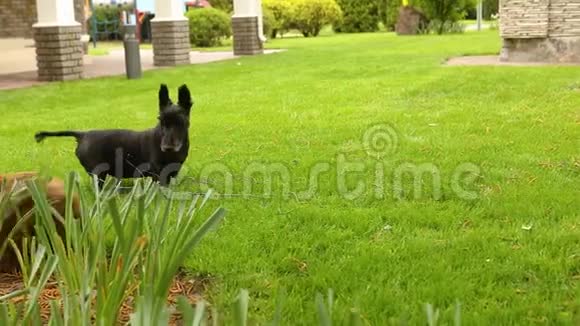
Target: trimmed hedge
<point>108,20</point>
<point>490,7</point>
<point>359,16</point>
<point>223,5</point>
<point>310,16</point>
<point>268,21</point>
<point>389,13</point>
<point>208,26</point>
<point>444,10</point>
<point>282,15</point>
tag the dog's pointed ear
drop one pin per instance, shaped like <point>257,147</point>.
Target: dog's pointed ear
<point>185,98</point>
<point>164,99</point>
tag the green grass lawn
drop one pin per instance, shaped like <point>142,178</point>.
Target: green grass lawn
<point>511,255</point>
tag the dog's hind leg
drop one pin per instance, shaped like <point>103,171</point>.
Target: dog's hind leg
<point>165,180</point>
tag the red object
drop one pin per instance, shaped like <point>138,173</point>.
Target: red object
<point>197,4</point>
<point>138,21</point>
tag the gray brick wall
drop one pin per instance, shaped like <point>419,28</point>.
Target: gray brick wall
<point>521,19</point>
<point>18,16</point>
<point>171,45</point>
<point>246,36</point>
<point>59,54</point>
<point>564,18</point>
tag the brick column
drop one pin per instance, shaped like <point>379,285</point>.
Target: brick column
<point>170,34</point>
<point>246,36</point>
<point>246,25</point>
<point>59,53</point>
<point>57,37</point>
<point>540,31</point>
<point>170,40</point>
<point>17,17</point>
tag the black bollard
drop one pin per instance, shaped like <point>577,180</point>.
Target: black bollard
<point>132,55</point>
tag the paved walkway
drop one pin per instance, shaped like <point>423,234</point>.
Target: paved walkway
<point>18,62</point>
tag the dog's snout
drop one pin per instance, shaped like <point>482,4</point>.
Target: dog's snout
<point>170,147</point>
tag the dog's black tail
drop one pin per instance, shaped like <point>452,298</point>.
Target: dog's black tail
<point>43,134</point>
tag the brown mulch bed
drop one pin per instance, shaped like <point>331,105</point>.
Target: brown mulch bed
<point>183,285</point>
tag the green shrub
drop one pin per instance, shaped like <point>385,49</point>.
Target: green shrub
<point>268,21</point>
<point>389,13</point>
<point>107,18</point>
<point>208,26</point>
<point>282,13</point>
<point>448,27</point>
<point>494,23</point>
<point>490,8</point>
<point>446,11</point>
<point>224,5</point>
<point>309,16</point>
<point>358,16</point>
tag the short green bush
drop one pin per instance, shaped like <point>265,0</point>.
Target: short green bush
<point>223,5</point>
<point>389,13</point>
<point>282,14</point>
<point>359,16</point>
<point>107,19</point>
<point>446,11</point>
<point>268,21</point>
<point>208,26</point>
<point>490,8</point>
<point>448,27</point>
<point>310,16</point>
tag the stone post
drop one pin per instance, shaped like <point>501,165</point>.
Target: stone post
<point>540,31</point>
<point>246,22</point>
<point>59,53</point>
<point>170,34</point>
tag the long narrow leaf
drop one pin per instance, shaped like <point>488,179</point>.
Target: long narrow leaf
<point>323,315</point>
<point>241,308</point>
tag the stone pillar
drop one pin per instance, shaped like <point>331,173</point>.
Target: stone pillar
<point>17,17</point>
<point>57,36</point>
<point>540,31</point>
<point>246,20</point>
<point>170,34</point>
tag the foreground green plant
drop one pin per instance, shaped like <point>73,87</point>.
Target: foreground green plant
<point>323,307</point>
<point>148,246</point>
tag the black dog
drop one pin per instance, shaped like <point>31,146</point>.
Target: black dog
<point>157,153</point>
